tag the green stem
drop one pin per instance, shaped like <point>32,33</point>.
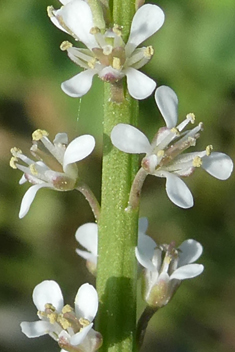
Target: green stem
<point>117,271</point>
<point>143,324</point>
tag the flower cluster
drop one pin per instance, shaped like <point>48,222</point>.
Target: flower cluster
<point>164,156</point>
<point>58,172</point>
<point>107,55</point>
<point>71,328</point>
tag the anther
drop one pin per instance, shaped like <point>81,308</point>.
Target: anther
<point>65,45</point>
<point>191,117</point>
<point>175,131</point>
<point>33,169</point>
<point>39,134</point>
<point>16,151</point>
<point>50,10</point>
<point>209,148</point>
<point>84,322</point>
<point>197,161</point>
<point>13,162</point>
<point>148,52</point>
<point>67,309</point>
<point>117,30</point>
<point>94,30</point>
<point>116,63</point>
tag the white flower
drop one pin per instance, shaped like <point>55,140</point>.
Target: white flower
<point>163,156</point>
<point>165,267</point>
<point>107,55</point>
<point>62,175</point>
<point>87,236</point>
<point>71,328</point>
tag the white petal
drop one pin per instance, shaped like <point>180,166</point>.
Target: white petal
<point>218,165</point>
<point>87,236</point>
<point>178,192</point>
<point>36,328</point>
<point>78,149</point>
<point>61,138</point>
<point>29,197</point>
<point>23,180</point>
<point>78,338</point>
<point>167,103</point>
<point>87,255</point>
<point>56,22</point>
<point>190,251</point>
<point>187,271</point>
<point>146,21</point>
<point>143,225</point>
<point>129,139</point>
<point>143,260</point>
<point>139,85</point>
<point>86,302</point>
<point>48,291</point>
<point>77,16</point>
<point>78,85</point>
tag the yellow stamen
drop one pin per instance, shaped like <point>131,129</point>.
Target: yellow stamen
<point>50,306</point>
<point>117,30</point>
<point>12,162</point>
<point>50,10</point>
<point>175,130</point>
<point>67,309</point>
<point>160,153</point>
<point>209,148</point>
<point>191,117</point>
<point>65,45</point>
<point>16,151</point>
<point>52,317</point>
<point>116,63</point>
<point>197,161</point>
<point>39,134</point>
<point>91,63</point>
<point>63,322</point>
<point>33,169</point>
<point>84,322</point>
<point>94,30</point>
<point>148,52</point>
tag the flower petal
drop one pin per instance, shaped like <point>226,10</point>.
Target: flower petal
<point>190,251</point>
<point>145,251</point>
<point>78,85</point>
<point>36,328</point>
<point>87,255</point>
<point>143,225</point>
<point>129,139</point>
<point>139,85</point>
<point>167,103</point>
<point>87,236</point>
<point>77,16</point>
<point>146,21</point>
<point>78,149</point>
<point>78,338</point>
<point>187,271</point>
<point>177,191</point>
<point>86,302</point>
<point>48,291</point>
<point>218,165</point>
<point>29,197</point>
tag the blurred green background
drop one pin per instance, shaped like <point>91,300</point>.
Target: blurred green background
<point>195,55</point>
